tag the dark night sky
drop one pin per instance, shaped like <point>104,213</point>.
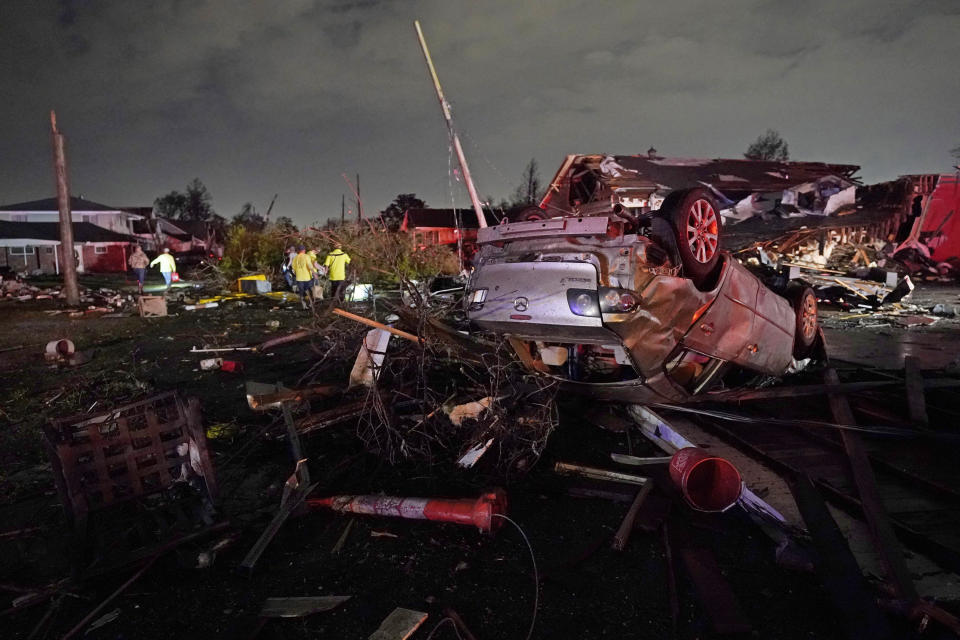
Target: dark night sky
<point>257,98</point>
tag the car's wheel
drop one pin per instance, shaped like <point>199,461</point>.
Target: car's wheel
<point>804,303</point>
<point>526,214</point>
<point>695,218</point>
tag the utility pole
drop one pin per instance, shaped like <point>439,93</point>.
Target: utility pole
<point>270,208</point>
<point>70,288</point>
<point>359,201</point>
<point>356,194</point>
<point>445,107</point>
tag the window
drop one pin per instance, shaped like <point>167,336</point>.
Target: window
<point>21,251</point>
<point>100,250</point>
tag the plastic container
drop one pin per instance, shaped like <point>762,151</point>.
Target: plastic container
<point>708,483</point>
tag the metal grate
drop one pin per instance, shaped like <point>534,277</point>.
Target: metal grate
<point>132,451</point>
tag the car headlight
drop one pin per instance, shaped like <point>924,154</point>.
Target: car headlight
<point>476,299</point>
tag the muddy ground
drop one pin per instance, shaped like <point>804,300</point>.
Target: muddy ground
<point>586,589</point>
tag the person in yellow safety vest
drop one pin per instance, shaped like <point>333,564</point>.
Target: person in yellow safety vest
<point>167,266</point>
<point>336,264</point>
<point>303,272</point>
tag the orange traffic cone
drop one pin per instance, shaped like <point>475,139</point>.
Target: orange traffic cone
<point>479,512</point>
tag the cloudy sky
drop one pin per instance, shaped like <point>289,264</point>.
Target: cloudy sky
<point>257,98</point>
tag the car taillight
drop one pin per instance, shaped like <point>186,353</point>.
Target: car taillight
<point>617,300</point>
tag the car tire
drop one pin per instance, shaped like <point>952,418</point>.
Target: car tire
<point>695,218</point>
<point>529,213</point>
<point>804,303</point>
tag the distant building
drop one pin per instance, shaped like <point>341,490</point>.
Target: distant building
<point>431,227</point>
<point>180,236</point>
<point>30,236</point>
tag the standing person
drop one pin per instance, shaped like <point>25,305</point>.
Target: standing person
<point>167,266</point>
<point>138,262</point>
<point>287,268</point>
<point>303,271</point>
<point>336,263</point>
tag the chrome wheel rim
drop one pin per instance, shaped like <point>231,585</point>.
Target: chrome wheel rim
<point>703,231</point>
<point>808,317</point>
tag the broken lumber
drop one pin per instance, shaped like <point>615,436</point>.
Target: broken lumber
<point>259,401</point>
<point>915,399</point>
<point>298,607</point>
<point>377,325</point>
<point>281,340</point>
<point>399,625</point>
<point>714,591</point>
<point>839,572</point>
<point>90,616</point>
<point>878,522</point>
<point>626,527</point>
<point>797,391</point>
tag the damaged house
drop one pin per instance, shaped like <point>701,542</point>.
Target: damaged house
<point>30,236</point>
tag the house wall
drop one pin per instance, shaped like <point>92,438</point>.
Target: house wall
<point>113,260</point>
<point>26,263</point>
<point>176,245</point>
<point>118,221</point>
<point>941,221</point>
<point>429,236</point>
<point>47,258</point>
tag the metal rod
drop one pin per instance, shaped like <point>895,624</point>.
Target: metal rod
<point>598,474</point>
<point>445,107</point>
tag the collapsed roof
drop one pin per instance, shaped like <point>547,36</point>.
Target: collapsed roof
<point>586,183</point>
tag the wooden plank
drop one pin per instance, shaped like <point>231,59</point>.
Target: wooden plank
<point>841,576</point>
<point>881,531</point>
<point>626,527</point>
<point>798,391</point>
<point>915,398</point>
<point>714,591</point>
<point>298,607</point>
<point>399,625</point>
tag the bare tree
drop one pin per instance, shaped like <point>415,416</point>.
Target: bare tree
<point>769,146</point>
<point>955,152</point>
<point>530,190</point>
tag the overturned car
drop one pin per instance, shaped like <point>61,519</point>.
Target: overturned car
<point>634,304</point>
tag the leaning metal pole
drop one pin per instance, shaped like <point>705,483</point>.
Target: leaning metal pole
<point>445,107</point>
<point>71,290</point>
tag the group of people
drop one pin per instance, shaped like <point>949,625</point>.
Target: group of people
<point>302,271</point>
<point>139,262</point>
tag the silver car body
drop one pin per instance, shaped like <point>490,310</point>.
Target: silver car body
<point>530,276</point>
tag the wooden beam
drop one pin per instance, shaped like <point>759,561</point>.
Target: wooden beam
<point>377,325</point>
<point>797,391</point>
<point>881,531</point>
<point>626,527</point>
<point>915,398</point>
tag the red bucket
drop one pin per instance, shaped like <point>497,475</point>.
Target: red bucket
<point>708,483</point>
